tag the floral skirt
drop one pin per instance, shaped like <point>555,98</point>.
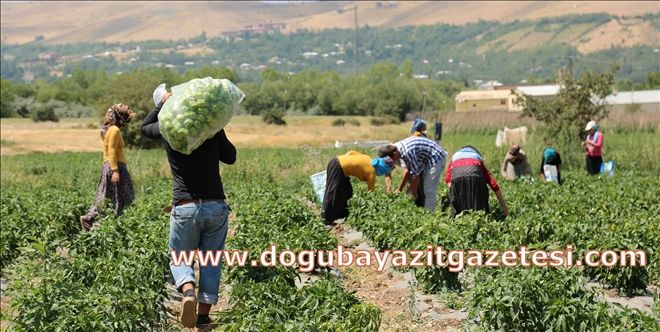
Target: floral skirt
<point>121,195</point>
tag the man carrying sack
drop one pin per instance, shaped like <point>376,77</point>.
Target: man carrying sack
<point>198,219</point>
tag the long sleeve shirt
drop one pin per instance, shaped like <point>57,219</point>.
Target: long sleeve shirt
<point>197,175</point>
<point>463,162</point>
<point>113,147</point>
<point>420,153</point>
<point>358,165</point>
<point>595,144</point>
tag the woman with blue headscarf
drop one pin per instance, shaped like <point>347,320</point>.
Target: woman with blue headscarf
<point>418,128</point>
<point>338,188</point>
<point>553,158</point>
<point>468,180</point>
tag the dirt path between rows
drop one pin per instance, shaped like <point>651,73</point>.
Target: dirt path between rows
<point>403,305</point>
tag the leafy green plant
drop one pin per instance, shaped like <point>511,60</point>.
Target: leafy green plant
<point>338,122</point>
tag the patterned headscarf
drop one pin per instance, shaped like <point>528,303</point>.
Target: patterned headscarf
<point>418,125</point>
<point>116,115</point>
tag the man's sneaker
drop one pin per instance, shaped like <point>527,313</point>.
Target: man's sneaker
<point>189,309</point>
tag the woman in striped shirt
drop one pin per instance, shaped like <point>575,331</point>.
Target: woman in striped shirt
<point>467,177</point>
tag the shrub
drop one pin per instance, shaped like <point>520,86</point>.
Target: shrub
<point>338,123</point>
<point>354,122</point>
<point>274,116</point>
<point>44,113</point>
<point>377,122</point>
<point>384,120</point>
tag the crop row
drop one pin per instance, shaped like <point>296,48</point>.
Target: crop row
<point>109,279</point>
<point>267,299</point>
<point>589,213</point>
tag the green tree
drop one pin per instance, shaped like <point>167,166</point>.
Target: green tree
<point>6,98</point>
<point>578,101</point>
<point>653,80</point>
<point>136,89</point>
<point>407,69</point>
<point>214,72</point>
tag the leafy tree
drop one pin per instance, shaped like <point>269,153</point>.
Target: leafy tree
<point>407,69</point>
<point>6,98</point>
<point>214,72</point>
<point>580,99</point>
<point>136,89</point>
<point>653,80</point>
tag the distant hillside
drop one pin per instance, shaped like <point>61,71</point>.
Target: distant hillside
<point>75,22</point>
<point>485,50</point>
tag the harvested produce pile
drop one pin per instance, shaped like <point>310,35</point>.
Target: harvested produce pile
<point>196,111</point>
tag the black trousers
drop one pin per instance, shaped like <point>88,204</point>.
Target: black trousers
<point>593,164</point>
<point>338,191</point>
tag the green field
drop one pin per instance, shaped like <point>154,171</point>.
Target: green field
<point>114,278</point>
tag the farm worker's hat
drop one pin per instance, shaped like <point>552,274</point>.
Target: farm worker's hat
<point>591,125</point>
<point>383,166</point>
<point>158,93</point>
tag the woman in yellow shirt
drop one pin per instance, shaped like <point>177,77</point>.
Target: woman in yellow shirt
<point>338,189</point>
<point>115,182</point>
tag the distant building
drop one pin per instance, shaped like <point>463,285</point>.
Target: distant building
<point>48,56</point>
<point>55,73</point>
<point>28,76</point>
<point>496,100</point>
<point>648,100</point>
<point>539,91</point>
<point>490,85</point>
<point>484,100</point>
<point>309,55</point>
<point>250,30</point>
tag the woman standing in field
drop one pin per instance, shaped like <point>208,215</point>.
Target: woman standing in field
<point>593,146</point>
<point>115,182</point>
<point>466,178</point>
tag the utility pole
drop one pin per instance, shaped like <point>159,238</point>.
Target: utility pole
<point>355,40</point>
<point>424,103</point>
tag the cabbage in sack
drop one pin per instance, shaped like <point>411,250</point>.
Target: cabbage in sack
<point>196,111</point>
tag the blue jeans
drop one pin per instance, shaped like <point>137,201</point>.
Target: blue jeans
<point>198,226</point>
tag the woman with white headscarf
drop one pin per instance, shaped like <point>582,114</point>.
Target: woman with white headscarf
<point>593,147</point>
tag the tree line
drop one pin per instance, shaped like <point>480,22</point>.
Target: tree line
<point>386,90</point>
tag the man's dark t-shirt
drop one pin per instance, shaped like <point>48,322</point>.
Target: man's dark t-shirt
<point>197,175</point>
